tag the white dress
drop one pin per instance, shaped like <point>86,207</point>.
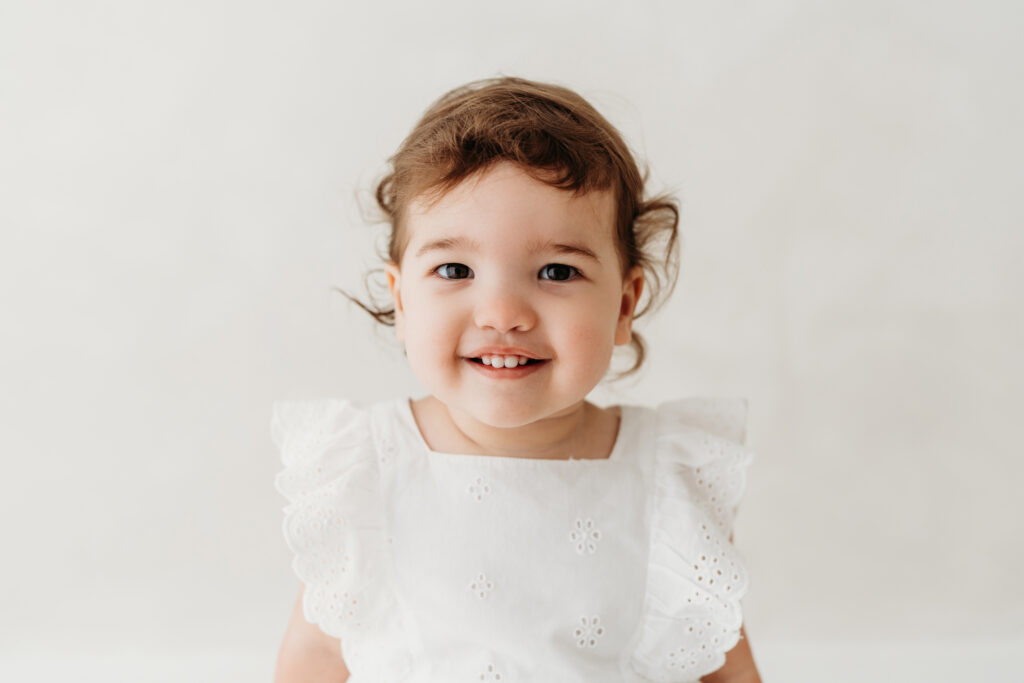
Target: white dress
<point>439,567</point>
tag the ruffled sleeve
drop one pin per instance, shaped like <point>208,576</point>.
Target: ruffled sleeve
<point>333,518</point>
<point>696,577</point>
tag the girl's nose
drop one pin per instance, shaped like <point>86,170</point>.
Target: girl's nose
<point>504,310</point>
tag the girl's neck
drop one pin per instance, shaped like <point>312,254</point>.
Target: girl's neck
<point>586,431</point>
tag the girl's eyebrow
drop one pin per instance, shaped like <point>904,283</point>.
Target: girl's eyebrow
<point>473,245</point>
<point>448,243</point>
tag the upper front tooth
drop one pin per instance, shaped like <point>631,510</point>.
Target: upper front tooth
<point>504,361</point>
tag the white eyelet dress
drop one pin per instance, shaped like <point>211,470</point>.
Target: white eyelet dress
<point>439,568</point>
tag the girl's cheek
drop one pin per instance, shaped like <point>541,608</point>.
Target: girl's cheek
<point>587,337</point>
<point>431,329</point>
<point>593,321</point>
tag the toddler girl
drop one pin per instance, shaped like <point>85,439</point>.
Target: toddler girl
<point>503,528</point>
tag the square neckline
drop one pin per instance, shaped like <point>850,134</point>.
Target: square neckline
<point>624,434</point>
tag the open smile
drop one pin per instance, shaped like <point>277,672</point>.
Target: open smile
<point>501,372</point>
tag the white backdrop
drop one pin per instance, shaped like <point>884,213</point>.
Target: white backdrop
<point>180,193</point>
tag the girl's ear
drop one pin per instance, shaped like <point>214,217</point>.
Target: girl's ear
<point>395,287</point>
<point>632,288</point>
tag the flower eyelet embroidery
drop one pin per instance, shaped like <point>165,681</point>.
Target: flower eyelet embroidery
<point>585,536</point>
<point>387,450</point>
<point>479,489</point>
<point>491,674</point>
<point>344,607</point>
<point>588,632</point>
<point>481,586</point>
<point>681,659</point>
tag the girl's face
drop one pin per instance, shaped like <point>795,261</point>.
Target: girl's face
<point>506,266</point>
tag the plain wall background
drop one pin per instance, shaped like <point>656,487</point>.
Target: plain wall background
<point>181,188</point>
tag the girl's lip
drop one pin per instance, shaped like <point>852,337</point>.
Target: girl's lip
<point>507,373</point>
<point>503,351</point>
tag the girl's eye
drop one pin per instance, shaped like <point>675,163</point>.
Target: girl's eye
<point>559,272</point>
<point>453,271</point>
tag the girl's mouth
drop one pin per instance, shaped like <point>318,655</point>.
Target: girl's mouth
<point>529,361</point>
<point>501,372</point>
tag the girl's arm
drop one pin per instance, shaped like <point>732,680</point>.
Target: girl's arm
<point>739,665</point>
<point>307,654</point>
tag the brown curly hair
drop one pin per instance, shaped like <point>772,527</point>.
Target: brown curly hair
<point>557,137</point>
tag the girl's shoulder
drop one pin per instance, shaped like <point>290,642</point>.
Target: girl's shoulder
<point>696,576</point>
<point>721,416</point>
<point>331,479</point>
<point>320,437</point>
<point>316,438</point>
<point>700,453</point>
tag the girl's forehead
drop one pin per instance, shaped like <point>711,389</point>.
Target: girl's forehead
<point>507,204</point>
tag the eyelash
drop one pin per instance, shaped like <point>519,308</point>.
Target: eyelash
<point>574,274</point>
